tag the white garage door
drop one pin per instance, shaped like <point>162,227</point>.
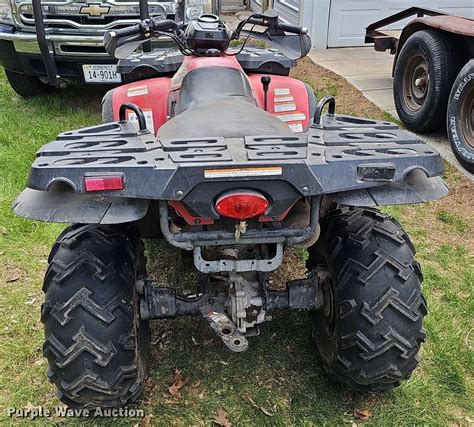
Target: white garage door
<point>349,18</point>
<point>256,5</point>
<point>288,9</point>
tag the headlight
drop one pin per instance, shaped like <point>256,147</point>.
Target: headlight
<point>6,16</point>
<point>195,8</point>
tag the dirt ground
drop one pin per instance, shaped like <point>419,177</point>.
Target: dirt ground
<point>349,99</point>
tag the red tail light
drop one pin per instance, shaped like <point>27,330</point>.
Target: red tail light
<point>242,204</point>
<point>103,183</point>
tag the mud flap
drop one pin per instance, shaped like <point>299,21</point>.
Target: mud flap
<point>70,207</point>
<point>416,188</point>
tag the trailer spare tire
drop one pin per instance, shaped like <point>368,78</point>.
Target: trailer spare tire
<point>424,74</point>
<point>461,117</point>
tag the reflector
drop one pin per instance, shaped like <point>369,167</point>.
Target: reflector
<point>104,183</point>
<point>242,204</point>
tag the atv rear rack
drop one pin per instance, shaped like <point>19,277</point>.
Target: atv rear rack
<point>342,154</point>
<point>360,162</point>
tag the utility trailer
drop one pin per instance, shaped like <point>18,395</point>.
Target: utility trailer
<point>433,74</point>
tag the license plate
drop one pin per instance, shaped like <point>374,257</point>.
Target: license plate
<point>96,73</point>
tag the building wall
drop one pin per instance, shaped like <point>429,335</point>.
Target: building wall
<point>342,23</point>
<point>349,18</point>
<point>230,5</point>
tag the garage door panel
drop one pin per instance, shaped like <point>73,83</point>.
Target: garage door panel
<point>349,18</point>
<point>346,24</point>
<point>256,6</point>
<point>288,10</point>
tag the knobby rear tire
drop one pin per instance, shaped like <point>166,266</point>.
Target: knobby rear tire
<point>95,343</point>
<point>370,331</point>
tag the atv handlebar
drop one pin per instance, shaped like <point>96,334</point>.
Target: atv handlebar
<point>146,28</point>
<point>136,34</point>
<point>277,25</point>
<point>126,32</point>
<point>291,29</point>
<point>123,42</point>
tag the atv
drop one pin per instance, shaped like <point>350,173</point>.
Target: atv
<point>224,156</point>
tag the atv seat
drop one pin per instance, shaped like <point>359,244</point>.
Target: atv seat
<point>219,102</point>
<point>225,118</point>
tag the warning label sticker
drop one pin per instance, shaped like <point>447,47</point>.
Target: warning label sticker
<point>132,117</point>
<point>284,99</point>
<point>280,108</point>
<point>243,172</point>
<point>137,91</point>
<point>282,92</point>
<point>296,127</point>
<point>292,117</point>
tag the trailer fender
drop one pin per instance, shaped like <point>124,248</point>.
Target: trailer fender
<point>451,24</point>
<point>69,207</point>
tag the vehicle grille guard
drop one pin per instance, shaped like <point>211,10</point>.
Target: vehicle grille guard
<point>47,55</point>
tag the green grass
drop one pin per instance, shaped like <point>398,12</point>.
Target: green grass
<point>390,118</point>
<point>451,219</point>
<point>280,373</point>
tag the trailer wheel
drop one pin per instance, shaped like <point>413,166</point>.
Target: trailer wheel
<point>369,332</point>
<point>461,117</point>
<point>424,74</point>
<point>96,345</point>
<point>27,86</point>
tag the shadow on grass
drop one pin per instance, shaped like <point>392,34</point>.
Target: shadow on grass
<point>75,95</point>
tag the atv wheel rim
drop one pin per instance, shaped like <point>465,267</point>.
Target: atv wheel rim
<point>329,307</point>
<point>416,82</point>
<point>467,118</point>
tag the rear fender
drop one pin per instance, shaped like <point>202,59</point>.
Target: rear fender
<point>415,188</point>
<point>70,207</point>
<point>150,95</point>
<point>291,100</point>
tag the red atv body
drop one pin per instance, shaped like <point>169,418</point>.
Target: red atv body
<point>288,99</point>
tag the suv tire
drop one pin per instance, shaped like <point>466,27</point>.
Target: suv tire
<point>27,86</point>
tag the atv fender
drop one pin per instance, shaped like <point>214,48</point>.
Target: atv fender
<point>416,188</point>
<point>150,95</point>
<point>69,207</point>
<point>291,100</point>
